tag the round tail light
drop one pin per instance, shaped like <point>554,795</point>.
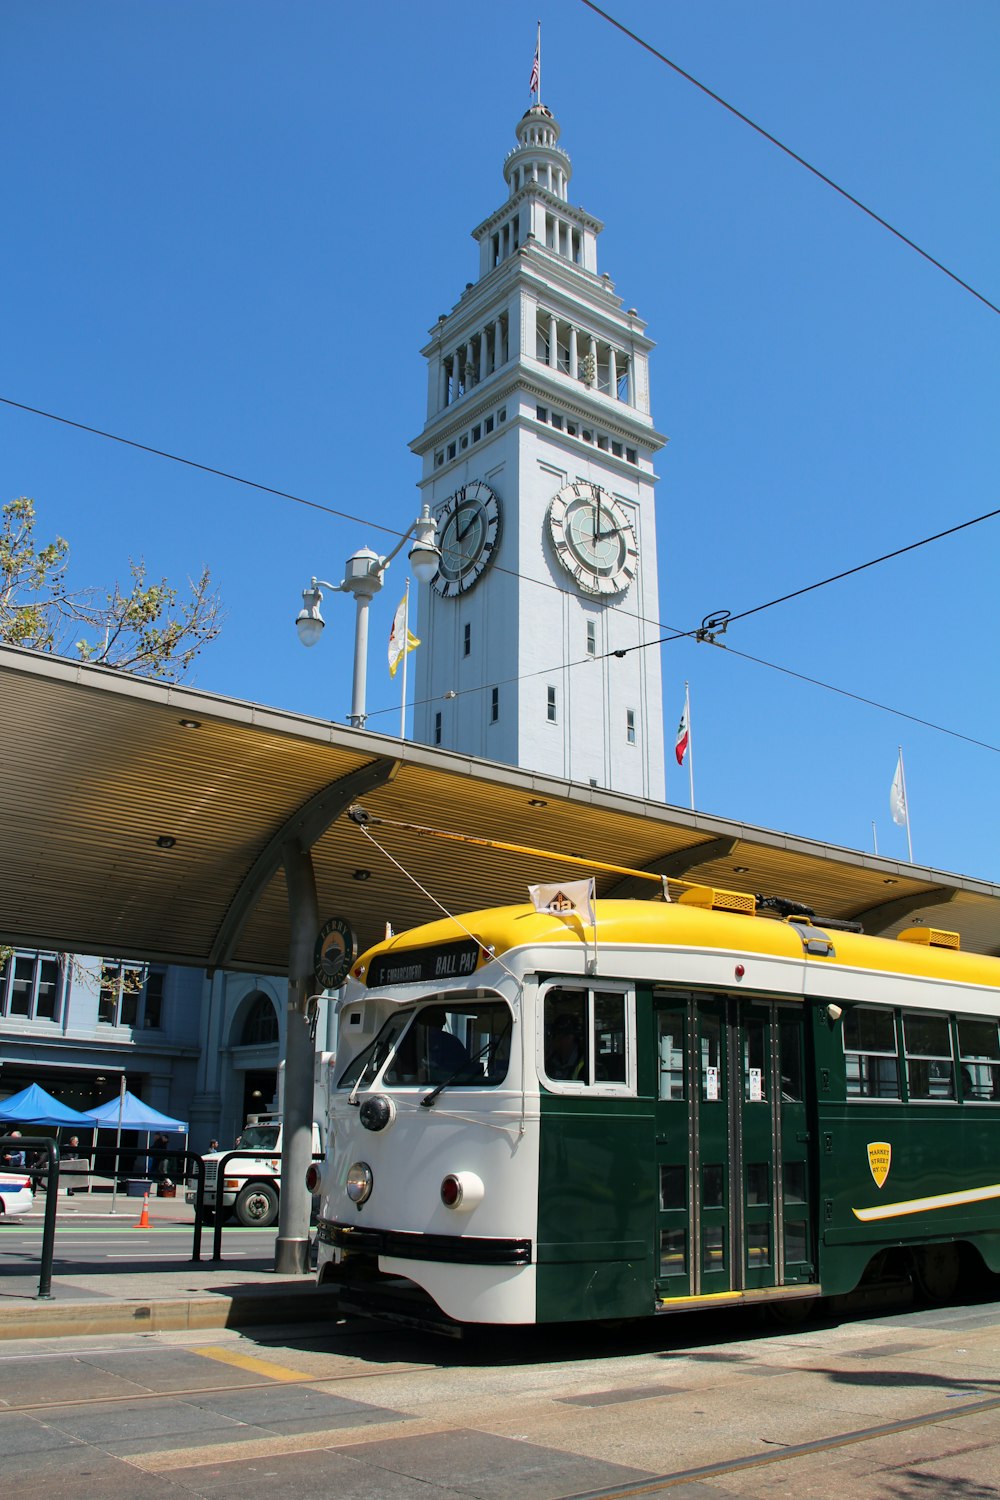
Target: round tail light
<point>314,1176</point>
<point>462,1190</point>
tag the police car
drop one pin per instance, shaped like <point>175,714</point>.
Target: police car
<point>17,1193</point>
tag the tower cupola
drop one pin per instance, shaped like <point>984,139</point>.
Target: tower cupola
<point>538,159</point>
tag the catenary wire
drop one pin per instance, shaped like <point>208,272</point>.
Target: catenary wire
<point>675,635</point>
<point>774,141</point>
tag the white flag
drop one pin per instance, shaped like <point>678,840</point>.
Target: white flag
<point>565,899</point>
<point>897,795</point>
<point>401,638</point>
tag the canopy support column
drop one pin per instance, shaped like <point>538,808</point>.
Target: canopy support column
<point>291,1253</point>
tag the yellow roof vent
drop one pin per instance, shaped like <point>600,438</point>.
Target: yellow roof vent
<point>713,899</point>
<point>931,937</point>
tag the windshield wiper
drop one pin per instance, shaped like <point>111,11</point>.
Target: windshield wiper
<point>470,1062</point>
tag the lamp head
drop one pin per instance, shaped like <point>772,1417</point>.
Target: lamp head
<point>425,555</point>
<point>309,621</point>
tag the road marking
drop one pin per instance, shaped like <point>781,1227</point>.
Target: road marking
<point>247,1362</point>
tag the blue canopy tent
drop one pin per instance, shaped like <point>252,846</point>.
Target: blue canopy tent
<point>33,1106</point>
<point>126,1112</point>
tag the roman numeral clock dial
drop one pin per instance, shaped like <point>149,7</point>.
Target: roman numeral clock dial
<point>594,538</point>
<point>469,529</point>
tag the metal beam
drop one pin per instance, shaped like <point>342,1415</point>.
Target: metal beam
<point>876,919</point>
<point>305,826</point>
<point>676,865</point>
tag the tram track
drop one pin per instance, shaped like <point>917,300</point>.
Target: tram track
<point>704,1472</point>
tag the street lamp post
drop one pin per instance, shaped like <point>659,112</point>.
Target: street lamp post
<point>363,578</point>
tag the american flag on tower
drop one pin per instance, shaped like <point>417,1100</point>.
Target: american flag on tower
<point>536,67</point>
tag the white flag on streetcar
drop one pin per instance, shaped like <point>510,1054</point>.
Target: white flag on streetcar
<point>572,896</point>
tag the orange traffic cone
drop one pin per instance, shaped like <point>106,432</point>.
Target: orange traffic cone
<point>143,1220</point>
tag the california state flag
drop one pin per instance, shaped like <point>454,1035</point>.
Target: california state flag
<point>683,732</point>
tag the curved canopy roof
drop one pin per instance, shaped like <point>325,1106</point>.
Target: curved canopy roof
<point>147,821</point>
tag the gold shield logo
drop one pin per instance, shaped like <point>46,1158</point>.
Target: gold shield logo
<point>880,1160</point>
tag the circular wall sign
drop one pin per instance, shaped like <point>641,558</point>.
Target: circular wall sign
<point>336,950</point>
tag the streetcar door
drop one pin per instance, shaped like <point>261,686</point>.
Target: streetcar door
<point>735,1201</point>
<point>693,1132</point>
<point>773,1142</point>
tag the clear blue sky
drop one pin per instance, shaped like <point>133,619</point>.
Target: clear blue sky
<point>228,228</point>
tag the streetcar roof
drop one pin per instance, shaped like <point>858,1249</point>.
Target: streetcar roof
<point>650,924</point>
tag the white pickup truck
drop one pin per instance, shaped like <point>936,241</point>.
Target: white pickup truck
<point>252,1183</point>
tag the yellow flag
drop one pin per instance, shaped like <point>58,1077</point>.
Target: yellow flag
<point>401,638</point>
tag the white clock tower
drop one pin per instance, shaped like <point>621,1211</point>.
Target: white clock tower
<point>538,464</point>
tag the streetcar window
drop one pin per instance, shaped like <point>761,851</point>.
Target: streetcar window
<point>363,1069</point>
<point>713,1183</point>
<point>870,1053</point>
<point>793,1180</point>
<point>790,1056</point>
<point>585,1035</point>
<point>754,1060</point>
<point>609,1038</point>
<point>979,1050</point>
<point>464,1042</point>
<point>930,1071</point>
<point>758,1184</point>
<point>711,1052</point>
<point>671,1066</point>
<point>672,1188</point>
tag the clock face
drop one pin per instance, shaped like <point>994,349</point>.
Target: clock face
<point>469,533</point>
<point>594,538</point>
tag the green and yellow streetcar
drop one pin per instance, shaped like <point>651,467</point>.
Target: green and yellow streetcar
<point>636,1108</point>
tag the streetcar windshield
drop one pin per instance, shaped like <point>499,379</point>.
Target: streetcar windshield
<point>460,1042</point>
<point>363,1069</point>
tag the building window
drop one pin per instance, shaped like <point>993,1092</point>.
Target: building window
<point>541,413</point>
<point>465,440</point>
<point>488,424</point>
<point>29,987</point>
<point>467,640</point>
<point>494,705</point>
<point>591,638</point>
<point>451,450</point>
<point>260,1028</point>
<point>502,414</point>
<point>477,433</point>
<point>631,455</point>
<point>121,992</point>
<point>616,449</point>
<point>152,1011</point>
<point>630,725</point>
<point>571,428</point>
<point>439,458</point>
<point>437,729</point>
<point>550,704</point>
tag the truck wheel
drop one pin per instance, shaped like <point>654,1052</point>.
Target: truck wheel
<point>257,1205</point>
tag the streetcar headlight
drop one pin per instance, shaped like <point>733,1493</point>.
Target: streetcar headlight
<point>462,1190</point>
<point>359,1182</point>
<point>377,1112</point>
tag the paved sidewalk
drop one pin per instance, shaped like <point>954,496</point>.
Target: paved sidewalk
<point>144,1295</point>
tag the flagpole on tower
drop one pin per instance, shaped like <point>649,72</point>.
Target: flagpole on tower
<point>535,81</point>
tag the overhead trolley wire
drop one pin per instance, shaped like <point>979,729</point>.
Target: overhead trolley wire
<point>696,633</point>
<point>788,151</point>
